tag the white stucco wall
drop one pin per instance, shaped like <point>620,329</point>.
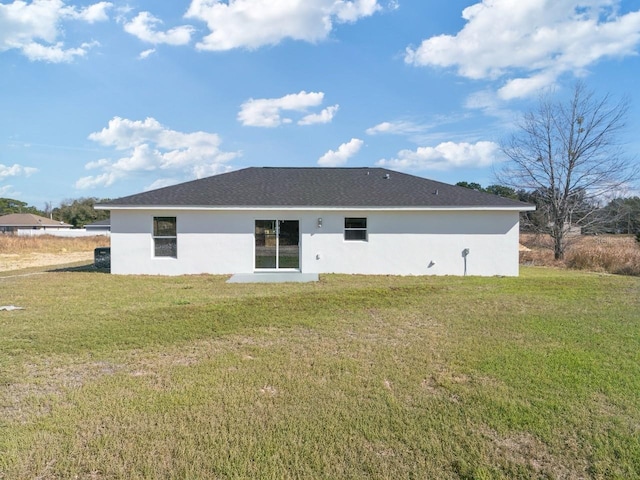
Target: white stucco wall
<point>398,243</point>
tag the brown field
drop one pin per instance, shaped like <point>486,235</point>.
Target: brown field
<point>17,252</point>
<point>617,254</point>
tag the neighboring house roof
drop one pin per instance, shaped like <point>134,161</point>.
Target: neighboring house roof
<point>315,187</point>
<point>29,220</point>
<point>106,223</point>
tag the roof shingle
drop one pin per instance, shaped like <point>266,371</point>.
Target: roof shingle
<point>315,187</point>
<point>29,220</point>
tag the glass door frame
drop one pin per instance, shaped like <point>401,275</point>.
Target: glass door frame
<point>271,238</point>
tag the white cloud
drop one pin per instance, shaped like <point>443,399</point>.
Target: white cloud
<point>325,116</point>
<point>351,11</point>
<point>255,23</point>
<point>123,134</point>
<point>7,190</point>
<point>103,162</point>
<point>143,26</point>
<point>207,171</point>
<point>396,128</point>
<point>267,112</point>
<point>95,181</point>
<point>35,28</point>
<point>529,44</point>
<point>523,87</point>
<point>16,170</point>
<point>445,156</point>
<point>55,53</point>
<point>417,133</point>
<point>146,53</point>
<point>93,13</point>
<point>335,158</point>
<point>149,146</point>
<point>163,182</point>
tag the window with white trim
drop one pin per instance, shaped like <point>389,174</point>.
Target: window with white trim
<point>355,229</point>
<point>165,237</point>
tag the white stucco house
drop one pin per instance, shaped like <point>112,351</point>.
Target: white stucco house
<point>314,221</point>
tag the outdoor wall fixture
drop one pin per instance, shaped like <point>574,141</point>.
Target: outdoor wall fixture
<point>319,222</point>
<point>465,254</point>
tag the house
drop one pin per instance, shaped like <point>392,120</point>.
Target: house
<point>99,227</point>
<point>28,223</point>
<point>313,221</point>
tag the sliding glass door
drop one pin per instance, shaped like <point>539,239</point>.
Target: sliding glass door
<point>277,244</point>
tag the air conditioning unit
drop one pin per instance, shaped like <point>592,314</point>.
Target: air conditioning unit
<point>102,257</point>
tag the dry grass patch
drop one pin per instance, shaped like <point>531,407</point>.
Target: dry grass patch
<point>525,449</point>
<point>611,254</point>
<point>616,254</point>
<point>14,244</point>
<point>17,252</point>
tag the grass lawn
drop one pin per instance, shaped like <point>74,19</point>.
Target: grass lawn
<point>105,376</point>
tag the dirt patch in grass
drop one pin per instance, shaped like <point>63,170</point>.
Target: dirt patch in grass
<point>524,449</point>
<point>14,261</point>
<point>47,380</point>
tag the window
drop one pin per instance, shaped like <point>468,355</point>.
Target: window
<point>165,237</point>
<point>355,229</point>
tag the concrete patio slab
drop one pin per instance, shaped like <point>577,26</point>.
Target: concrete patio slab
<point>273,277</point>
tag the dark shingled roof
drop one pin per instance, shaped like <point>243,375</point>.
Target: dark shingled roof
<point>99,223</point>
<point>315,187</point>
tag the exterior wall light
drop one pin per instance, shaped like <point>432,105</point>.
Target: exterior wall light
<point>319,222</point>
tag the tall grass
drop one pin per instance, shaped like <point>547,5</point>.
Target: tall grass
<point>616,254</point>
<point>21,245</point>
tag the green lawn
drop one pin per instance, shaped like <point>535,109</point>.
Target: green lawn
<point>104,376</point>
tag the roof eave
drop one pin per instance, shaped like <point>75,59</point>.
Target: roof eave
<point>514,208</point>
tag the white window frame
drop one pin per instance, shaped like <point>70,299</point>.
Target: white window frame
<point>157,236</point>
<point>353,230</point>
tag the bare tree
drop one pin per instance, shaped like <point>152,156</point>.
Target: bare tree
<point>568,153</point>
<point>48,209</point>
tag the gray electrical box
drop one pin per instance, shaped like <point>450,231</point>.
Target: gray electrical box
<point>102,257</point>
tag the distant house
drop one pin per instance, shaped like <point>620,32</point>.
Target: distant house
<point>24,222</point>
<point>315,220</point>
<point>101,227</point>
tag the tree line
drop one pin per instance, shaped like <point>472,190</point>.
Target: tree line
<point>620,215</point>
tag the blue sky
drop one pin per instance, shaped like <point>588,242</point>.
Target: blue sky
<point>105,99</point>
